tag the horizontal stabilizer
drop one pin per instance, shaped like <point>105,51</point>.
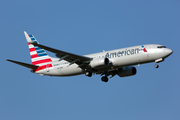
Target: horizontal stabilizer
<point>23,64</point>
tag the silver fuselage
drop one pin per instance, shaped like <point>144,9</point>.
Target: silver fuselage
<point>119,58</point>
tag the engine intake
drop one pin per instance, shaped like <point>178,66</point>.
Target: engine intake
<point>99,62</point>
<point>127,71</point>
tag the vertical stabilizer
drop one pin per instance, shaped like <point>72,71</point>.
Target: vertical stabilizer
<point>38,55</point>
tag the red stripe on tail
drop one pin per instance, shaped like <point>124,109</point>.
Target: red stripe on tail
<point>34,56</point>
<point>32,49</point>
<point>42,61</point>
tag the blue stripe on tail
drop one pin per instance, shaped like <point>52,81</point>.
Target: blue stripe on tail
<point>39,50</point>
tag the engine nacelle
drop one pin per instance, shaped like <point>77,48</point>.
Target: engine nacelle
<point>99,62</point>
<point>127,71</point>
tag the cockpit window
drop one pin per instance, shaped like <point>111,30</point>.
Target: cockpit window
<point>161,46</point>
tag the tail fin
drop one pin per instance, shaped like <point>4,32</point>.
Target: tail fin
<point>38,55</point>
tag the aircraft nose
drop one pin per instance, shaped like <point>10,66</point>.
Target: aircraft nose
<point>168,51</point>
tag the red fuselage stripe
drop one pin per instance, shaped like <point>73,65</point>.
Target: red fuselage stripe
<point>42,67</point>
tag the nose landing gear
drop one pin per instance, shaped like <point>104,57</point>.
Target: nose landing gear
<point>156,65</point>
<point>158,61</point>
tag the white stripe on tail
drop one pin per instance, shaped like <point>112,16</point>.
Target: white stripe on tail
<point>38,55</point>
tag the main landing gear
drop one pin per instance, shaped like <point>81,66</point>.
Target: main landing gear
<point>104,79</point>
<point>88,73</point>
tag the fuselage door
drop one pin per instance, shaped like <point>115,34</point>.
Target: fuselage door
<point>148,49</point>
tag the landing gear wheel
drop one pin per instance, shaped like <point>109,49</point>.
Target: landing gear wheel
<point>156,66</point>
<point>104,79</point>
<point>89,74</point>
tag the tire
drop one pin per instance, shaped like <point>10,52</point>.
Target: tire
<point>89,74</point>
<point>156,66</point>
<point>104,79</point>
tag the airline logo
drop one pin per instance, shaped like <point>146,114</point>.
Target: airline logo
<point>144,49</point>
<point>122,53</point>
<point>39,56</point>
<point>125,52</point>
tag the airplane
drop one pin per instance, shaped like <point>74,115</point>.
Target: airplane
<point>119,62</point>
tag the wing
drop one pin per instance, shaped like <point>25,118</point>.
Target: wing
<point>72,58</point>
<point>23,64</point>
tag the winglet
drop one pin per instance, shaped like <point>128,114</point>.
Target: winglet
<point>27,37</point>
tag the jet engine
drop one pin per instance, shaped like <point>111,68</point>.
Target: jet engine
<point>127,71</point>
<point>99,62</point>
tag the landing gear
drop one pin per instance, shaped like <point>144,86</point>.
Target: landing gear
<point>158,61</point>
<point>104,79</point>
<point>89,74</point>
<point>156,66</point>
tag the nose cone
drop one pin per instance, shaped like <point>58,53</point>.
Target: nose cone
<point>168,51</point>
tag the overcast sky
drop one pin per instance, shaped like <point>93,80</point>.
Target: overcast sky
<point>84,27</point>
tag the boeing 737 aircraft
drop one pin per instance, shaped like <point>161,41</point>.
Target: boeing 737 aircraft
<point>107,63</point>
